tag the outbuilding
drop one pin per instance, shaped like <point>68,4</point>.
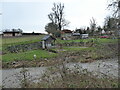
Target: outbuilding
<point>48,41</point>
<point>76,35</point>
<point>66,34</point>
<point>12,33</point>
<point>84,36</point>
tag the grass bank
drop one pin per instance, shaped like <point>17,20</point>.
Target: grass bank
<point>106,48</point>
<point>21,40</point>
<point>8,41</point>
<point>28,55</point>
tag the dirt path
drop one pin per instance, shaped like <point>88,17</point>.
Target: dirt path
<point>12,78</point>
<point>107,67</point>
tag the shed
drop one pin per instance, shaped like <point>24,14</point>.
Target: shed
<point>76,34</point>
<point>48,41</point>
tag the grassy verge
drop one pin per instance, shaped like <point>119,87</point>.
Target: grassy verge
<point>28,55</point>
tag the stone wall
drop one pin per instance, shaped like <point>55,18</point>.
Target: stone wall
<point>24,47</point>
<point>38,45</point>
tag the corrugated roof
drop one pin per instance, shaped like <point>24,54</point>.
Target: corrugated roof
<point>76,34</point>
<point>46,37</point>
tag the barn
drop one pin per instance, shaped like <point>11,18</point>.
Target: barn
<point>11,33</point>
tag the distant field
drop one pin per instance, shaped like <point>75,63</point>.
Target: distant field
<point>21,40</point>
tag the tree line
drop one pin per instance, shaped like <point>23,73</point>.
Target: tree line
<point>58,21</point>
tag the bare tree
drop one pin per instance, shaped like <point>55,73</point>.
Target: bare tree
<point>115,6</point>
<point>110,23</point>
<point>93,24</point>
<point>57,16</point>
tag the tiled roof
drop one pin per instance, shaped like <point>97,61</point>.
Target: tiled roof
<point>46,37</point>
<point>66,31</point>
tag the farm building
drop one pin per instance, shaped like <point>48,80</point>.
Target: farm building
<point>80,36</point>
<point>76,36</point>
<point>48,41</point>
<point>12,33</point>
<point>32,33</point>
<point>66,34</point>
<point>84,36</point>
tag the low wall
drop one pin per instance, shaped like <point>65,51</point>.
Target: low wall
<point>38,45</point>
<point>24,47</point>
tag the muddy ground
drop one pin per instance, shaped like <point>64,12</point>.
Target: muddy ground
<point>105,67</point>
<point>104,51</point>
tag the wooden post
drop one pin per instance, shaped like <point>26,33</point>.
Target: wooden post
<point>43,44</point>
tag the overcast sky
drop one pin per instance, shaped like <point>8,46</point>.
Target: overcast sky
<point>31,15</point>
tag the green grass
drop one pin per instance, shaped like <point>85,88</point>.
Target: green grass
<point>68,41</point>
<point>76,48</point>
<point>0,48</point>
<point>100,40</point>
<point>104,40</point>
<point>27,55</point>
<point>41,53</point>
<point>21,40</point>
<point>0,44</point>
